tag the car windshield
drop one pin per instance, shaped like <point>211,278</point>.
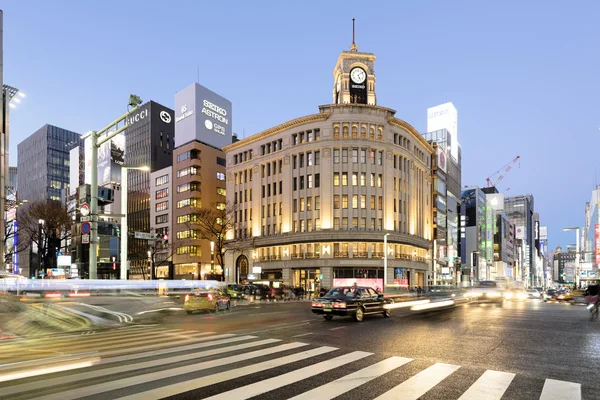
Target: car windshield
<point>342,292</point>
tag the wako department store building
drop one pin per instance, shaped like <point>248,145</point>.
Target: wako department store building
<point>316,195</point>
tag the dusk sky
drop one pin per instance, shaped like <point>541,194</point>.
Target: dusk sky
<point>522,74</point>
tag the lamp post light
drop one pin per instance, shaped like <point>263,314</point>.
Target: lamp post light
<point>212,258</point>
<point>124,227</point>
<point>576,254</point>
<point>385,261</point>
<point>98,138</point>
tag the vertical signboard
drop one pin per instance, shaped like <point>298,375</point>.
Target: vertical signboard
<point>73,171</point>
<point>441,160</point>
<point>597,243</point>
<point>520,232</point>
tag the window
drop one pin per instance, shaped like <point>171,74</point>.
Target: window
<point>162,206</point>
<point>317,202</point>
<point>189,250</point>
<point>309,159</point>
<point>221,161</point>
<point>161,180</point>
<point>301,160</point>
<point>301,182</point>
<point>162,219</point>
<point>345,156</point>
<point>188,186</point>
<point>345,201</point>
<point>191,202</point>
<point>309,204</point>
<point>295,183</point>
<point>221,206</point>
<point>188,171</point>
<point>354,201</point>
<point>295,205</point>
<point>336,156</point>
<point>363,156</point>
<point>317,158</point>
<point>380,158</point>
<point>373,206</point>
<point>379,180</point>
<point>162,193</point>
<point>317,224</point>
<point>363,201</point>
<point>294,161</point>
<point>354,179</point>
<point>355,156</point>
<point>345,223</point>
<point>221,191</point>
<point>302,202</point>
<point>309,181</point>
<point>372,156</point>
<point>220,176</point>
<point>380,202</point>
<point>336,179</point>
<point>336,201</point>
<point>363,179</point>
<point>317,180</point>
<point>344,179</point>
<point>372,180</point>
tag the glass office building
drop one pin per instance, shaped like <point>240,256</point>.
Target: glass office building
<point>519,210</point>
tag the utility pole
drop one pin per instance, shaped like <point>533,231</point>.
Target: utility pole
<point>98,139</point>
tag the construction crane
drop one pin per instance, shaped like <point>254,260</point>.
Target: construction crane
<point>506,168</point>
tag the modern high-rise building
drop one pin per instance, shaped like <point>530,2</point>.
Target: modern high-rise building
<point>318,196</point>
<point>519,210</point>
<point>43,166</point>
<point>203,126</point>
<point>149,141</point>
<point>476,239</point>
<point>161,218</point>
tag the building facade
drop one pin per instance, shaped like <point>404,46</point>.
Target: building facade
<point>315,196</point>
<point>161,217</point>
<point>149,141</point>
<point>203,126</point>
<point>43,165</point>
<point>519,210</point>
<point>476,239</point>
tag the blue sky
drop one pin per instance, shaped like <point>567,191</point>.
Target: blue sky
<point>522,74</point>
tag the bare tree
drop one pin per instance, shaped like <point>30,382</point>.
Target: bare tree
<point>213,224</point>
<point>45,223</point>
<point>161,251</point>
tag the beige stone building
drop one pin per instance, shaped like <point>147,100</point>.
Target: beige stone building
<point>316,195</point>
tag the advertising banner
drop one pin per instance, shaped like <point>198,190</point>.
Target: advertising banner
<point>569,271</point>
<point>520,232</point>
<point>442,160</point>
<point>543,233</point>
<point>597,243</point>
<point>376,284</point>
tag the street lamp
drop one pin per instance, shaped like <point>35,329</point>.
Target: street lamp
<point>124,228</point>
<point>212,258</point>
<point>98,139</point>
<point>385,256</point>
<point>576,255</point>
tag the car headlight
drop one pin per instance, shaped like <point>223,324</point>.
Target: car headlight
<point>508,295</point>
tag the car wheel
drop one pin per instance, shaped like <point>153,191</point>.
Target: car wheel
<point>189,312</point>
<point>328,317</point>
<point>387,313</point>
<point>359,315</point>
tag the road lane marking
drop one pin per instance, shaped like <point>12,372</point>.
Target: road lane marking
<point>264,386</point>
<point>339,327</point>
<point>199,383</point>
<point>91,375</point>
<point>560,390</point>
<point>169,373</point>
<point>490,386</point>
<point>304,334</point>
<point>421,383</point>
<point>354,380</point>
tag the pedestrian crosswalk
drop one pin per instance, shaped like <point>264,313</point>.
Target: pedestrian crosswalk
<point>153,362</point>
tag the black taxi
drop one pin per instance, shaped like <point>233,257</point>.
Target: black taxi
<point>354,301</point>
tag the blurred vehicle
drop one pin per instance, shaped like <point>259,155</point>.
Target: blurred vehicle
<point>534,294</point>
<point>578,297</point>
<point>206,300</point>
<point>355,301</point>
<point>564,294</point>
<point>550,295</point>
<point>235,291</point>
<point>486,291</point>
<point>516,294</point>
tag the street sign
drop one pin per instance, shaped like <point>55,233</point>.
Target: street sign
<point>84,209</point>
<point>86,228</point>
<point>85,219</point>
<point>144,235</point>
<point>85,239</point>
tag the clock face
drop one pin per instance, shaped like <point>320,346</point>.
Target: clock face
<point>358,75</point>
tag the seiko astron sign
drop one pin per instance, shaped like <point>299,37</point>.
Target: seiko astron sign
<point>202,115</point>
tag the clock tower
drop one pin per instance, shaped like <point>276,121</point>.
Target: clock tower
<point>354,77</point>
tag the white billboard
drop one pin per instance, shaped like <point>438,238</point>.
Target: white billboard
<point>73,171</point>
<point>110,156</point>
<point>444,116</point>
<point>543,233</point>
<point>520,232</point>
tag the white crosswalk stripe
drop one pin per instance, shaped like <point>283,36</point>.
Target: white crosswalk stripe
<point>134,366</point>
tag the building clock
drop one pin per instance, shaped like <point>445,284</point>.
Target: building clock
<point>358,75</point>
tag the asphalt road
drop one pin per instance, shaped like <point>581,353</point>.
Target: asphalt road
<point>282,350</point>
